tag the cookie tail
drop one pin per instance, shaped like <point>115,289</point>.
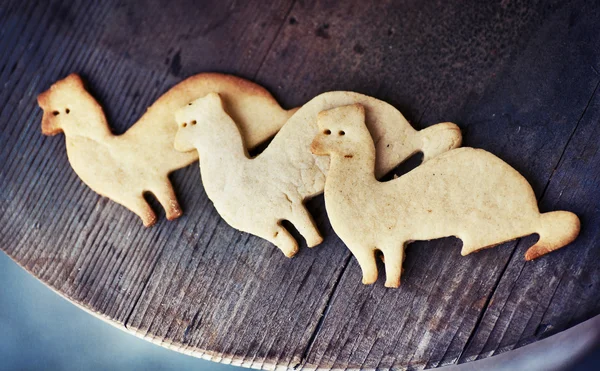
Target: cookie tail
<point>439,138</point>
<point>557,229</point>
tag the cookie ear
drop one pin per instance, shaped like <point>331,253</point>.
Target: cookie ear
<point>214,98</point>
<point>355,112</point>
<point>43,100</point>
<point>359,109</point>
<point>352,114</point>
<point>323,119</point>
<point>74,79</point>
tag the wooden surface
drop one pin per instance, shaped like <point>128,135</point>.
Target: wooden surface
<point>520,78</point>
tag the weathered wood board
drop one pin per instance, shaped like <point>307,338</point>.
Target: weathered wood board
<point>520,78</point>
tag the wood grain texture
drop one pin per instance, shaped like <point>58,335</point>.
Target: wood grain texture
<point>520,78</point>
<point>533,301</point>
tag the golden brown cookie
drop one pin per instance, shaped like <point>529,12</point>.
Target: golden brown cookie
<point>123,167</point>
<point>255,195</point>
<point>468,193</point>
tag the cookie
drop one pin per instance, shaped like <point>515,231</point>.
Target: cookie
<point>124,167</point>
<point>252,195</point>
<point>468,193</point>
<point>255,195</point>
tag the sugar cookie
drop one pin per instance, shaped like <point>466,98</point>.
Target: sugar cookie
<point>123,167</point>
<point>468,193</point>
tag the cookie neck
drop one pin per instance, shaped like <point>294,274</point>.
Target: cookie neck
<point>94,128</point>
<point>351,171</point>
<point>222,145</point>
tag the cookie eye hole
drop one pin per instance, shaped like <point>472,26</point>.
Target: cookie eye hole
<point>67,111</point>
<point>326,131</point>
<point>55,113</point>
<point>193,122</point>
<point>189,104</point>
<point>184,124</point>
<point>342,132</point>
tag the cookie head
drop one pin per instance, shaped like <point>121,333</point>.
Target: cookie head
<point>66,100</point>
<point>196,119</point>
<point>340,130</point>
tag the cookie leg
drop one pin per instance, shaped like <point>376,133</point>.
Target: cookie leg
<point>366,260</point>
<point>476,243</point>
<point>138,205</point>
<point>305,224</point>
<point>394,257</point>
<point>281,238</point>
<point>166,196</point>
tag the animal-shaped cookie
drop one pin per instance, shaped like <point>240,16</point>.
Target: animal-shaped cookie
<point>468,193</point>
<point>123,167</point>
<point>255,195</point>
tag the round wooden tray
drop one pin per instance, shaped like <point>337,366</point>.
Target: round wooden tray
<point>521,82</point>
